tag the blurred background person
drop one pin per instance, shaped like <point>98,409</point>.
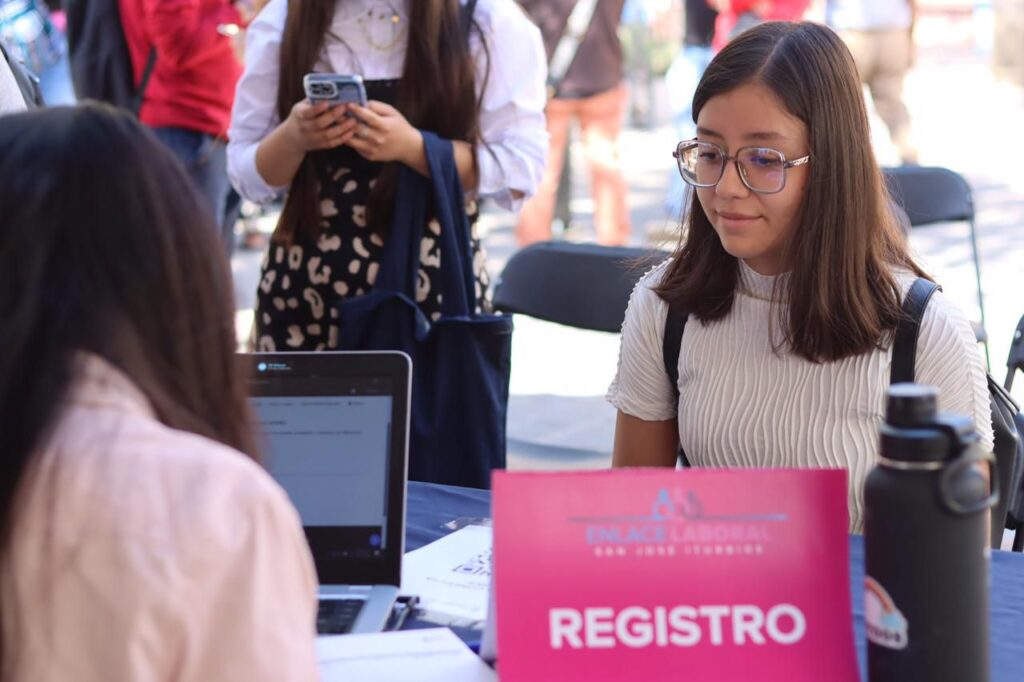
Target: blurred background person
<point>879,34</point>
<point>186,48</point>
<point>139,537</point>
<point>736,16</point>
<point>641,33</point>
<point>681,82</point>
<point>593,93</point>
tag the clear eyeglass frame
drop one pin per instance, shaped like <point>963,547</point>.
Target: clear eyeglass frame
<point>687,145</point>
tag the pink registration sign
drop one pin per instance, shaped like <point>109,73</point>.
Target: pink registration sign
<point>723,576</point>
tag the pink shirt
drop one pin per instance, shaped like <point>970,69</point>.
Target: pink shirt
<point>144,553</point>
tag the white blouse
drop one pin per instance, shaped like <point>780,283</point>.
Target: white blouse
<point>743,405</point>
<point>148,554</point>
<point>512,124</point>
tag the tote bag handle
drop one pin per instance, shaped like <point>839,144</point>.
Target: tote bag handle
<point>400,263</point>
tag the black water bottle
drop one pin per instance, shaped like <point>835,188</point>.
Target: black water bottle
<point>926,546</point>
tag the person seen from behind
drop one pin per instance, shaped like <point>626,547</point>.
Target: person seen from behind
<point>791,270</point>
<point>139,537</point>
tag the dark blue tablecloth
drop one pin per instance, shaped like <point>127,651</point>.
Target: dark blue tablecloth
<point>431,508</point>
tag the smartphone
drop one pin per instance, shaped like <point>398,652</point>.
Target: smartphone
<point>335,88</point>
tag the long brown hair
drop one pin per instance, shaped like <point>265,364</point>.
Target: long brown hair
<point>843,299</point>
<point>105,248</point>
<point>437,94</point>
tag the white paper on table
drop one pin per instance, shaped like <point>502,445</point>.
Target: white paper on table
<point>404,656</point>
<point>452,575</point>
<point>489,641</point>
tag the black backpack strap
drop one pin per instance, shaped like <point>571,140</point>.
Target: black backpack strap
<point>670,345</point>
<point>1008,467</point>
<point>147,71</point>
<point>904,343</point>
<point>671,342</point>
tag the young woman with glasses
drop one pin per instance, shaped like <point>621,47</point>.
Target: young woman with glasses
<point>791,268</point>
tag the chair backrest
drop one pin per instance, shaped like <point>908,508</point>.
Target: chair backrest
<point>926,195</point>
<point>930,195</point>
<point>579,285</point>
<point>1015,361</point>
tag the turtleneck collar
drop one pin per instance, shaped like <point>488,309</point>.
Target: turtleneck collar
<point>756,285</point>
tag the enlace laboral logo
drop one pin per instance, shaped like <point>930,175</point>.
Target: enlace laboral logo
<point>677,525</point>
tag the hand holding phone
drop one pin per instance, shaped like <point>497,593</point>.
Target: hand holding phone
<point>323,120</point>
<point>318,125</point>
<point>384,134</point>
<point>334,88</point>
<point>376,130</point>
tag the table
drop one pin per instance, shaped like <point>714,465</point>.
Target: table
<point>430,507</point>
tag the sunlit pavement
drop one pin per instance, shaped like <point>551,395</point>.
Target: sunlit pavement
<point>964,119</point>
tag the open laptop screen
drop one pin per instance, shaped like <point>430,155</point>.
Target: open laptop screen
<point>330,453</point>
<point>328,433</point>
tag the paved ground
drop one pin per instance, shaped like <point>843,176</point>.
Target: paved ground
<point>964,119</point>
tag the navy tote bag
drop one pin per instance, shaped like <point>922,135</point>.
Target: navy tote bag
<point>461,361</point>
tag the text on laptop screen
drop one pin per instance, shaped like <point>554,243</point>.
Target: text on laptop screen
<point>330,454</point>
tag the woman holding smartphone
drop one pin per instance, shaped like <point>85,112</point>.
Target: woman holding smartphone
<point>473,73</point>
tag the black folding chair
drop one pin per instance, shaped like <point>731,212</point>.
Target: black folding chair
<point>579,285</point>
<point>1015,505</point>
<point>930,195</point>
<point>1015,362</point>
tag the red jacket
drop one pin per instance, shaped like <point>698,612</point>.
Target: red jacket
<point>773,10</point>
<point>193,83</point>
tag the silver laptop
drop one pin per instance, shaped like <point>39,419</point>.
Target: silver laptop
<point>335,435</point>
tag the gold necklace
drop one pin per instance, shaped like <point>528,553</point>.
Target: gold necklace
<point>374,18</point>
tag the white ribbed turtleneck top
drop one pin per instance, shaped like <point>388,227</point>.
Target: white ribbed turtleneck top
<point>742,404</point>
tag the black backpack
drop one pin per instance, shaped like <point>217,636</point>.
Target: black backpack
<point>1015,505</point>
<point>1007,420</point>
<point>101,65</point>
<point>26,80</point>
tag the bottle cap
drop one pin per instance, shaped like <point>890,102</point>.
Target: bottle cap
<point>914,431</point>
<point>911,405</point>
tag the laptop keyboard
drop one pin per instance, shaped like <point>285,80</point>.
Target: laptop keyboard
<point>337,616</point>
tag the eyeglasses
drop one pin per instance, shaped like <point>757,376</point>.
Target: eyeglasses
<point>762,169</point>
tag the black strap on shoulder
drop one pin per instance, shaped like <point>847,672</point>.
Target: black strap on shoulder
<point>904,343</point>
<point>147,72</point>
<point>670,345</point>
<point>671,342</point>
